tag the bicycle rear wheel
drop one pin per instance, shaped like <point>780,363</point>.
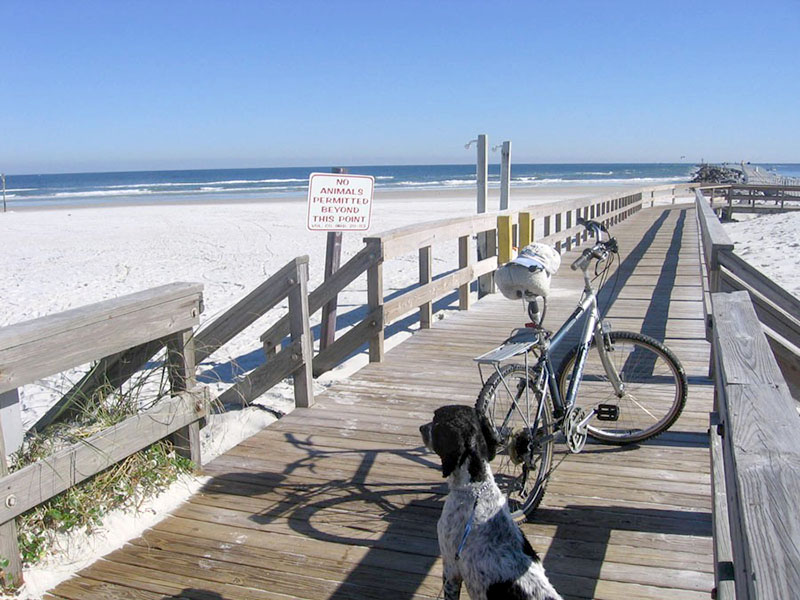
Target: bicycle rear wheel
<point>655,388</point>
<point>522,416</point>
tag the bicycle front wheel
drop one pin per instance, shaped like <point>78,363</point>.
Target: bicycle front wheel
<point>654,383</point>
<point>518,407</point>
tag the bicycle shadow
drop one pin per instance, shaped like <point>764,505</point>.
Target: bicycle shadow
<point>378,526</point>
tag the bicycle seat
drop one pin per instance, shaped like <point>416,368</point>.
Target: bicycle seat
<point>528,275</point>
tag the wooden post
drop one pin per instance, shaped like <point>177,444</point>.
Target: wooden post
<point>464,257</point>
<point>375,302</point>
<point>300,330</point>
<point>333,258</point>
<point>485,282</point>
<point>569,226</point>
<point>582,237</point>
<point>11,420</point>
<point>425,273</point>
<point>10,574</point>
<point>558,228</point>
<point>504,239</point>
<point>525,229</point>
<point>181,371</point>
<point>505,175</point>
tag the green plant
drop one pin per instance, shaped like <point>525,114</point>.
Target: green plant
<point>125,484</point>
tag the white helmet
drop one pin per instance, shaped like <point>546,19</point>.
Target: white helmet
<point>528,275</point>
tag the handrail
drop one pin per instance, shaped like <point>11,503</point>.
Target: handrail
<point>291,281</point>
<point>755,449</point>
<point>560,228</point>
<point>754,435</point>
<point>777,309</point>
<point>48,345</point>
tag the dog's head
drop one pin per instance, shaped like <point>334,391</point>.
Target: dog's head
<point>459,435</point>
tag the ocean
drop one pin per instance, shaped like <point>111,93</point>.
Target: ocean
<point>153,187</point>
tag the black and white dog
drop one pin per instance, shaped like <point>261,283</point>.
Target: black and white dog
<point>481,545</point>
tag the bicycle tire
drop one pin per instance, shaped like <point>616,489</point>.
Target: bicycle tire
<point>523,489</point>
<point>655,388</point>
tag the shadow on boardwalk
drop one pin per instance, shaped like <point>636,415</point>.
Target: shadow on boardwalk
<point>392,522</point>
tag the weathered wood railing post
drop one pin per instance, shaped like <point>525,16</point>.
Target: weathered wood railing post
<point>425,275</point>
<point>333,258</point>
<point>464,260</point>
<point>11,570</point>
<point>300,332</point>
<point>375,300</point>
<point>181,371</point>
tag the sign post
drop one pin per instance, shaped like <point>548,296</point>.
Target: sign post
<point>337,202</point>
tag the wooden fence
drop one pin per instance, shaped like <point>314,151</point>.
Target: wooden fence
<point>559,223</point>
<point>122,335</point>
<point>755,456</point>
<point>777,309</point>
<point>42,347</point>
<point>761,198</point>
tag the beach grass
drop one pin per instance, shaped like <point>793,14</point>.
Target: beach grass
<point>125,485</point>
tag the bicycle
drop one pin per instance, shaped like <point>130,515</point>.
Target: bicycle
<point>632,387</point>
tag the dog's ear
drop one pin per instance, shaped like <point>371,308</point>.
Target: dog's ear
<point>450,447</point>
<point>489,434</point>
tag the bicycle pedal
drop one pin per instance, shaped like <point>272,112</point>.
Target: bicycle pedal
<point>607,412</point>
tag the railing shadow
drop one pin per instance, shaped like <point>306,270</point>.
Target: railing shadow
<point>392,521</point>
<point>583,534</point>
<point>194,594</point>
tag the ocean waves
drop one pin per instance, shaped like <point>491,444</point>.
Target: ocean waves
<point>247,184</point>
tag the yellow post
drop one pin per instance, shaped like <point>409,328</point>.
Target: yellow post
<point>525,229</point>
<point>504,239</point>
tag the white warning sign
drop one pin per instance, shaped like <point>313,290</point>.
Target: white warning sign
<point>339,202</point>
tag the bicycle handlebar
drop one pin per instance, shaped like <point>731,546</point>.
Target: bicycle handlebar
<point>593,226</point>
<point>599,251</point>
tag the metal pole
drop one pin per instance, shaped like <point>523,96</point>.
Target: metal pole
<point>487,240</point>
<point>482,171</point>
<point>505,175</point>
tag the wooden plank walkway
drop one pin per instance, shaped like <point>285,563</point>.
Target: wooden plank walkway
<point>340,500</point>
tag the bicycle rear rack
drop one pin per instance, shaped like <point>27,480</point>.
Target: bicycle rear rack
<point>520,342</point>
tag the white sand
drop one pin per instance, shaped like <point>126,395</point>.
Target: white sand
<point>53,260</point>
<point>771,243</point>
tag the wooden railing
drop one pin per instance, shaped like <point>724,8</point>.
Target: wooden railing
<point>559,224</point>
<point>777,310</point>
<point>560,228</point>
<point>761,198</point>
<point>295,359</point>
<point>755,460</point>
<point>754,427</point>
<point>49,345</point>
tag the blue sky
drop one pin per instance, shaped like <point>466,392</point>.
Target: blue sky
<point>92,86</point>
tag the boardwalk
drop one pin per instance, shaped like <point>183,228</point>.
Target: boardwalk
<point>340,501</point>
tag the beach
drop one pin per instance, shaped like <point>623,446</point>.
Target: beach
<point>56,259</point>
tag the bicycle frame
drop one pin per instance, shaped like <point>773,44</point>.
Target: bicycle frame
<point>593,327</point>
